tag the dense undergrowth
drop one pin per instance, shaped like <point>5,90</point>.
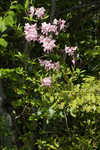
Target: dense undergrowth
<point>64,115</point>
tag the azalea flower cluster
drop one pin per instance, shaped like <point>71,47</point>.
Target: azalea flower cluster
<point>60,22</point>
<point>48,27</point>
<point>46,81</point>
<point>48,64</point>
<point>70,51</point>
<point>38,12</point>
<point>47,43</point>
<point>31,33</point>
<point>43,33</point>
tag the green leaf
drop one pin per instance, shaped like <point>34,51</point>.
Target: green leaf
<point>51,112</point>
<point>2,25</point>
<point>18,7</point>
<point>51,146</point>
<point>19,70</point>
<point>6,72</point>
<point>51,99</point>
<point>93,52</point>
<point>26,4</point>
<point>46,17</point>
<point>9,21</point>
<point>3,42</point>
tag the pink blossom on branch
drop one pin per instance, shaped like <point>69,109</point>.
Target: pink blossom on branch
<point>40,12</point>
<point>41,38</point>
<point>30,31</point>
<point>55,21</point>
<point>70,50</point>
<point>47,28</point>
<point>48,43</point>
<point>31,11</point>
<point>48,64</point>
<point>45,38</point>
<point>62,24</point>
<point>46,81</point>
<point>73,61</point>
<point>53,28</point>
<point>74,48</point>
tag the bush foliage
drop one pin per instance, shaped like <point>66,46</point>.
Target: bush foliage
<point>66,114</point>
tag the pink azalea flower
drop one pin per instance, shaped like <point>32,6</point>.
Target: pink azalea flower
<point>74,48</point>
<point>62,24</point>
<point>30,31</point>
<point>48,64</point>
<point>53,28</point>
<point>70,50</point>
<point>73,61</point>
<point>46,81</point>
<point>40,12</point>
<point>48,43</point>
<point>47,27</point>
<point>55,21</point>
<point>41,39</point>
<point>31,11</point>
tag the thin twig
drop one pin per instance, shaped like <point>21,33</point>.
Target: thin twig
<point>67,123</point>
